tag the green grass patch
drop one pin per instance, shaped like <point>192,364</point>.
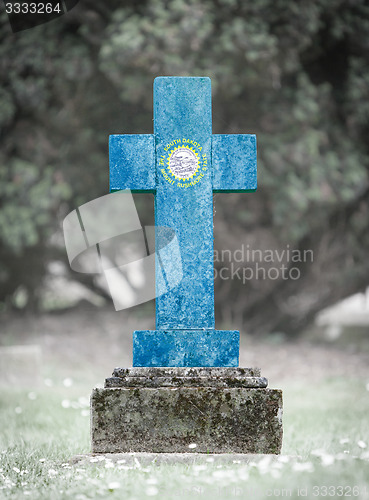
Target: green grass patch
<point>325,451</point>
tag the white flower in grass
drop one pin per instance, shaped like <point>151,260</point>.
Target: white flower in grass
<point>218,473</point>
<point>361,444</point>
<point>65,403</point>
<point>32,396</point>
<point>152,491</point>
<point>52,472</point>
<point>327,460</point>
<point>18,410</point>
<point>277,465</point>
<point>318,453</point>
<point>341,456</point>
<point>94,459</point>
<point>152,480</point>
<point>243,474</point>
<point>225,474</point>
<point>114,485</point>
<point>199,467</point>
<point>26,492</point>
<point>275,473</point>
<point>15,469</point>
<point>48,382</point>
<point>93,481</point>
<point>83,401</point>
<point>123,461</point>
<point>192,446</point>
<point>344,440</point>
<point>210,459</point>
<point>67,382</point>
<point>8,483</point>
<point>109,465</point>
<point>264,464</point>
<point>42,460</point>
<point>303,467</point>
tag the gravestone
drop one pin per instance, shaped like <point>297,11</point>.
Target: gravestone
<point>185,386</point>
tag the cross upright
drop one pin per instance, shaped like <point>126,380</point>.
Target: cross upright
<point>183,164</point>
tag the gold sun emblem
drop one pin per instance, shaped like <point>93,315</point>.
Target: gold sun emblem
<point>183,162</point>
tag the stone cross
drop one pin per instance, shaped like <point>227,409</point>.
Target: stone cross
<point>183,164</point>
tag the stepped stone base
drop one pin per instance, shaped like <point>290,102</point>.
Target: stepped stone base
<point>166,410</point>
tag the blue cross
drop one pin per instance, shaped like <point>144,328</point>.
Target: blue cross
<point>183,164</point>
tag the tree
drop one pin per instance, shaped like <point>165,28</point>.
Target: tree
<point>296,75</point>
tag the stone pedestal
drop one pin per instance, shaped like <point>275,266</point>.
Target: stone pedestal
<point>165,410</point>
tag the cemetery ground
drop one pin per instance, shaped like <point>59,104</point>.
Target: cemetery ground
<point>44,425</point>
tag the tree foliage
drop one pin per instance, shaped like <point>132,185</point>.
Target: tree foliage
<point>294,73</point>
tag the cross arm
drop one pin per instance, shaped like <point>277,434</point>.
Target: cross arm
<point>234,163</point>
<point>132,162</point>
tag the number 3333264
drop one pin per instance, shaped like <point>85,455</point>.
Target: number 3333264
<point>33,8</point>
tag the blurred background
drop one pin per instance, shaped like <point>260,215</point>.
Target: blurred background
<point>294,73</point>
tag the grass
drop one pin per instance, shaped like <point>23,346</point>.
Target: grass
<point>325,451</point>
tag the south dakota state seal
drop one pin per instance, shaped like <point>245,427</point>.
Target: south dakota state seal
<point>183,162</point>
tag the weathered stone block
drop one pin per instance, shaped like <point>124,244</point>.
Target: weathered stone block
<point>167,419</point>
<point>189,377</point>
